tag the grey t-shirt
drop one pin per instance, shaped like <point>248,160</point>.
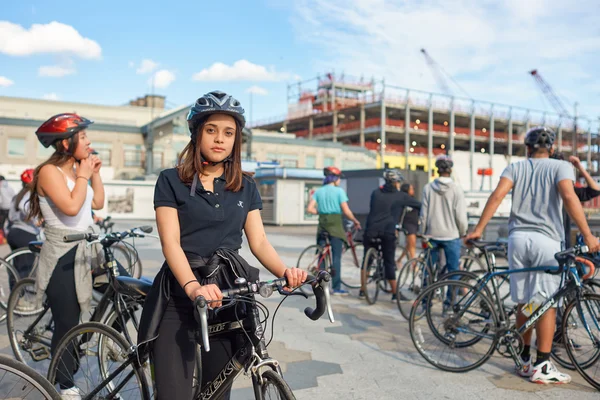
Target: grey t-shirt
<point>536,202</point>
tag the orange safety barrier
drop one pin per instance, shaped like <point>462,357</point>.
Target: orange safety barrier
<point>485,171</point>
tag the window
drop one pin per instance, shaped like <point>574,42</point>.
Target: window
<point>132,154</point>
<point>104,152</point>
<point>328,161</point>
<point>158,157</point>
<point>286,160</point>
<point>43,152</point>
<point>16,147</point>
<point>310,162</point>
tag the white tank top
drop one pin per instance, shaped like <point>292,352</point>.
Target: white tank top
<point>55,218</point>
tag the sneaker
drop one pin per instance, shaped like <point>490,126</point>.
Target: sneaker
<point>70,394</point>
<point>546,373</point>
<point>526,370</point>
<point>361,294</point>
<point>394,297</point>
<point>340,292</point>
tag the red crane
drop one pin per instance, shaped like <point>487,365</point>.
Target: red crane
<point>550,95</point>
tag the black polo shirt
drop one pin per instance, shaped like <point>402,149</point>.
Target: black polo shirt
<point>387,205</point>
<point>208,220</point>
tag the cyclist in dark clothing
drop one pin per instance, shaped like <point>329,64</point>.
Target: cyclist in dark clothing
<point>387,205</point>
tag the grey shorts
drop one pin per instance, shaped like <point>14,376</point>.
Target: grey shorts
<point>532,249</point>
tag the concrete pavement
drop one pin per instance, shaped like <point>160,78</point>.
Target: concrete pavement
<point>367,353</point>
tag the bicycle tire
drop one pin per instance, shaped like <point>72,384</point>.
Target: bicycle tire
<point>129,254</point>
<point>418,338</point>
<point>43,386</point>
<point>592,363</point>
<point>350,268</point>
<point>468,262</point>
<point>11,272</point>
<point>370,276</point>
<point>309,262</point>
<point>405,296</point>
<point>12,315</point>
<point>283,389</point>
<point>88,329</point>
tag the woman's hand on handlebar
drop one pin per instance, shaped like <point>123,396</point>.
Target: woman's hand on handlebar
<point>295,277</point>
<point>211,293</point>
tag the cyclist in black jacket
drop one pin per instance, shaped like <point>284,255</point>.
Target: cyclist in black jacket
<point>387,205</point>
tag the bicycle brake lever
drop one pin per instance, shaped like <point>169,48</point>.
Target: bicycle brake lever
<point>286,293</point>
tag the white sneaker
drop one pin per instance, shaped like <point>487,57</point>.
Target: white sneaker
<point>546,373</point>
<point>70,393</point>
<point>525,371</point>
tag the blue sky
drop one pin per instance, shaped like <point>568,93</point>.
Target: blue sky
<point>95,52</point>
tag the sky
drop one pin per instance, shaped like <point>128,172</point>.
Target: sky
<point>111,52</point>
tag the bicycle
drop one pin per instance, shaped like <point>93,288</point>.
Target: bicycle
<point>30,327</point>
<point>420,272</point>
<point>315,258</point>
<point>466,319</point>
<point>18,381</point>
<point>108,348</point>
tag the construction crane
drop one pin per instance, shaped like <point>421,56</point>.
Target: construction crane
<point>550,95</point>
<point>557,104</point>
<point>441,76</point>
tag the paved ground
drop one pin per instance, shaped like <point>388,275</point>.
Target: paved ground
<point>367,353</point>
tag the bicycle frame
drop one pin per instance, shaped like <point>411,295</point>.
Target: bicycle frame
<point>251,357</point>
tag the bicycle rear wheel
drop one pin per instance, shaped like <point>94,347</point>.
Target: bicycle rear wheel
<point>450,335</point>
<point>312,260</point>
<point>411,282</point>
<point>274,387</point>
<point>371,276</point>
<point>103,363</point>
<point>29,328</point>
<point>8,279</point>
<point>581,331</point>
<point>18,381</point>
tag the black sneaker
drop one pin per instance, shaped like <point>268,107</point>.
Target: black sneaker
<point>361,294</point>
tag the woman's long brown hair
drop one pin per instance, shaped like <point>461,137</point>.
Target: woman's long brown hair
<point>190,160</point>
<point>60,156</point>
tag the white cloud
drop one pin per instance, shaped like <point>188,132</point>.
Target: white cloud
<point>146,66</point>
<point>488,47</point>
<point>5,82</point>
<point>162,79</point>
<point>50,96</point>
<point>257,90</point>
<point>241,70</point>
<point>53,38</point>
<point>56,71</point>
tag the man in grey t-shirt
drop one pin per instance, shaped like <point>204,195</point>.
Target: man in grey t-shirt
<point>539,186</point>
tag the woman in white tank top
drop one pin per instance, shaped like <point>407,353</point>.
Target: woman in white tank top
<point>61,194</point>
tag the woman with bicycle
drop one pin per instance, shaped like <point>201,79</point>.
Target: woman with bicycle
<point>20,230</point>
<point>62,196</point>
<point>202,206</point>
<point>331,203</point>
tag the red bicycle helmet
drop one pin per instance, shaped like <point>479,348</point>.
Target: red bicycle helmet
<point>61,126</point>
<point>27,176</point>
<point>332,171</point>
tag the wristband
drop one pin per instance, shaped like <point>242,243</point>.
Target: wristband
<point>187,283</point>
<point>82,177</point>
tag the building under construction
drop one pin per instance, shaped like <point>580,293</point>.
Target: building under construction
<point>409,128</point>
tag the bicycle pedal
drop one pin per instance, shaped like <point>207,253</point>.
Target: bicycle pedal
<point>40,353</point>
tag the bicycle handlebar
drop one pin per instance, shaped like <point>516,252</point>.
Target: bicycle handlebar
<point>563,258</point>
<point>266,289</point>
<point>114,236</point>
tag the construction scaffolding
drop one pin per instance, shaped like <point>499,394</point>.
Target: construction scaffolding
<point>399,121</point>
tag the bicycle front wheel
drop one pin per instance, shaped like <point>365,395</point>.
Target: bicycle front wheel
<point>370,276</point>
<point>96,359</point>
<point>274,387</point>
<point>8,279</point>
<point>22,382</point>
<point>581,336</point>
<point>411,282</point>
<point>311,260</point>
